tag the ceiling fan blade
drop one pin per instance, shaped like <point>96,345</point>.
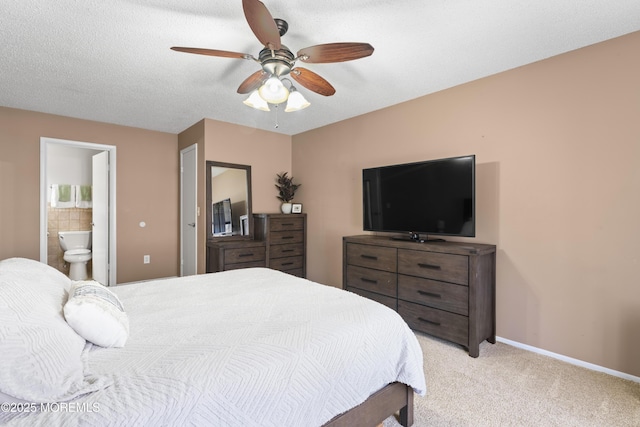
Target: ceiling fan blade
<point>262,23</point>
<point>212,52</point>
<point>312,81</point>
<point>335,52</point>
<point>253,82</point>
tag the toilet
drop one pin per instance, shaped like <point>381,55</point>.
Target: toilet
<point>77,252</point>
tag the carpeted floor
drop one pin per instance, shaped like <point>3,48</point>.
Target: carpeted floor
<point>508,386</point>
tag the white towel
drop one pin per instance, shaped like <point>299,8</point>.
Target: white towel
<point>55,198</point>
<point>84,204</point>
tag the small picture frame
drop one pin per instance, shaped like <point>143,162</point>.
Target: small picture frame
<point>296,208</point>
<point>244,225</point>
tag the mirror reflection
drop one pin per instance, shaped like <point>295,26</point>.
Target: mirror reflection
<point>228,200</point>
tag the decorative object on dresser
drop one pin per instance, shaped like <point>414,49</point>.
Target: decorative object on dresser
<point>285,237</point>
<point>286,191</point>
<point>445,289</point>
<point>296,208</point>
<point>225,255</point>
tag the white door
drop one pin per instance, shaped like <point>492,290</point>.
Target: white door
<point>188,211</point>
<point>100,221</point>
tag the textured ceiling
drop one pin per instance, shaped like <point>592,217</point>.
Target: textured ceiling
<point>110,60</point>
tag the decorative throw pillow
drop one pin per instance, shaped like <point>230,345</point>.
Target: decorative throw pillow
<point>96,314</point>
<point>41,357</point>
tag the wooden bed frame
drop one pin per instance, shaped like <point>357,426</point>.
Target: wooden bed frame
<point>378,407</point>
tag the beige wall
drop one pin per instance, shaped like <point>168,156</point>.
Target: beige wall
<point>558,178</point>
<point>147,189</point>
<point>267,153</point>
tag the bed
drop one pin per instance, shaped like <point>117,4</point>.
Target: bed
<point>252,347</point>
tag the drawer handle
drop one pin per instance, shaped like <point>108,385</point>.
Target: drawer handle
<point>364,279</point>
<point>429,266</point>
<point>245,255</point>
<point>369,257</point>
<point>431,322</point>
<point>287,237</point>
<point>429,294</point>
<point>287,250</point>
<point>287,223</point>
<point>286,263</point>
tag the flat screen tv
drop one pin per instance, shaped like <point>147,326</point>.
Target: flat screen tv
<point>434,197</point>
<point>221,221</point>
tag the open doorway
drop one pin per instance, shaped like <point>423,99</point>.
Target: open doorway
<point>77,194</point>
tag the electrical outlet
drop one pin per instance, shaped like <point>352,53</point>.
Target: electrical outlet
<point>147,259</point>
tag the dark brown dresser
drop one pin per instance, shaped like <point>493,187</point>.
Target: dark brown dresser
<point>285,238</point>
<point>445,289</point>
<point>234,254</point>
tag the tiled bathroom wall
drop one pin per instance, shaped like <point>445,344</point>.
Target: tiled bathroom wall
<point>68,219</point>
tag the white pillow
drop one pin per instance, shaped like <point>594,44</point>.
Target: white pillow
<point>36,271</point>
<point>41,357</point>
<point>96,314</point>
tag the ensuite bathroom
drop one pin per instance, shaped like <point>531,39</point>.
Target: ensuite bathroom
<point>69,209</point>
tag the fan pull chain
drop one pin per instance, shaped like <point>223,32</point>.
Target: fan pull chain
<point>277,125</point>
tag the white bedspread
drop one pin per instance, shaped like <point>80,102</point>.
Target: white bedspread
<point>251,347</point>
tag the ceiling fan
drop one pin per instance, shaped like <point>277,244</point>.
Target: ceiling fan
<point>277,61</point>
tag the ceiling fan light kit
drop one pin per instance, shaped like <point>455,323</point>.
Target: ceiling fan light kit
<point>296,101</point>
<point>266,86</point>
<point>273,91</point>
<point>255,100</point>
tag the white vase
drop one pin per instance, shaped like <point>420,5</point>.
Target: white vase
<point>285,207</point>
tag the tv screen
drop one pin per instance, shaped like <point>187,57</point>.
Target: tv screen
<point>429,197</point>
<point>221,221</point>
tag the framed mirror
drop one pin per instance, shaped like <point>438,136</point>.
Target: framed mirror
<point>228,210</point>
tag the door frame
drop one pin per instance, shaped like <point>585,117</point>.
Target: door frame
<point>44,143</point>
<point>194,148</point>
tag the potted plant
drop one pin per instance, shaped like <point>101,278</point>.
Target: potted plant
<point>286,191</point>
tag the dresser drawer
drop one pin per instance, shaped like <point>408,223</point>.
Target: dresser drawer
<point>288,249</point>
<point>377,257</point>
<point>284,264</point>
<point>244,255</point>
<point>278,237</point>
<point>260,263</point>
<point>439,323</point>
<point>442,295</point>
<point>433,265</point>
<point>290,223</point>
<point>388,301</point>
<point>382,282</point>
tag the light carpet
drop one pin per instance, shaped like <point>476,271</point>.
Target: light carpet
<point>508,386</point>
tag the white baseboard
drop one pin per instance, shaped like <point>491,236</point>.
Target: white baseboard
<point>570,360</point>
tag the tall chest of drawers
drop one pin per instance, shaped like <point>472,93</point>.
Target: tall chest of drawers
<point>445,289</point>
<point>285,237</point>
